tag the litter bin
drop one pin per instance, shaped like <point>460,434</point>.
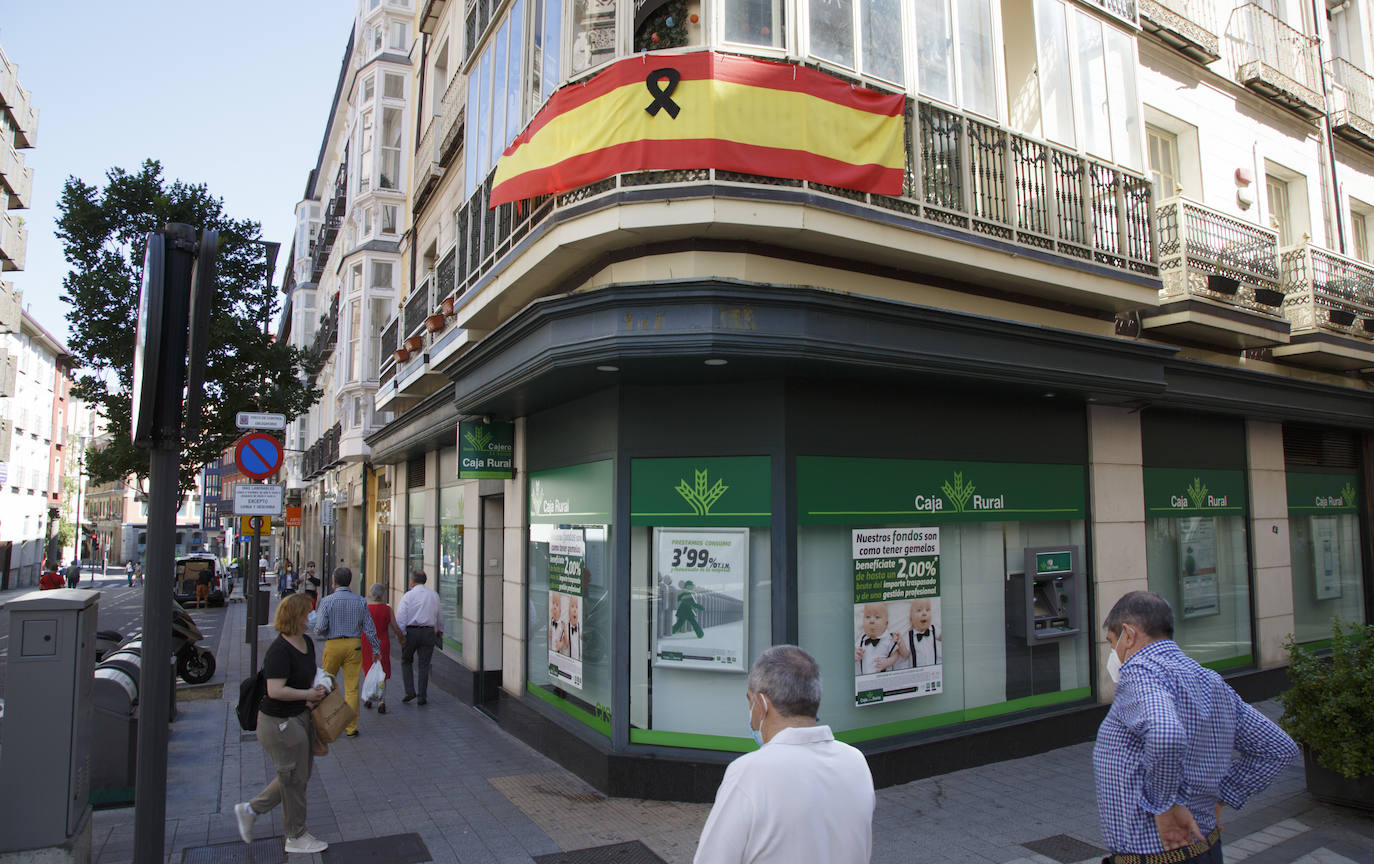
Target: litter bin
<point>264,597</point>
<point>114,730</point>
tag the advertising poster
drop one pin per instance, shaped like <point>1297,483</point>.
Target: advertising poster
<point>898,648</point>
<point>567,555</point>
<point>1197,554</point>
<point>701,607</point>
<point>1326,559</point>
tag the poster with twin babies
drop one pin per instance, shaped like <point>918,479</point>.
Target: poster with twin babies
<point>898,648</point>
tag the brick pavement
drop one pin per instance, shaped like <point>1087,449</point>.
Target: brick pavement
<point>475,794</point>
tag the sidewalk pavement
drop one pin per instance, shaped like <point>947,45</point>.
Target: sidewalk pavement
<point>443,783</point>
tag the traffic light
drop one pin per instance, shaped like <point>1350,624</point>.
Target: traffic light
<point>95,541</point>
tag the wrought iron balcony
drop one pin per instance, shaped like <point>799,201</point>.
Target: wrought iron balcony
<point>1327,291</point>
<point>427,170</point>
<point>451,111</point>
<point>1187,25</point>
<point>1275,60</point>
<point>1352,102</point>
<point>328,334</point>
<point>418,307</point>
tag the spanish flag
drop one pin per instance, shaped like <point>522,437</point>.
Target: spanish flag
<point>705,110</point>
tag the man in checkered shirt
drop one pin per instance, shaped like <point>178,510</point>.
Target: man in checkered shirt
<point>1177,744</point>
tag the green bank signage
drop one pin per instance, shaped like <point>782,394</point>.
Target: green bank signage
<point>1322,493</point>
<point>576,495</point>
<point>700,493</point>
<point>486,451</point>
<point>1193,492</point>
<point>843,491</point>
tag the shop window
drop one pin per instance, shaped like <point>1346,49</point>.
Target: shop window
<point>700,607</point>
<point>415,532</point>
<point>1196,558</point>
<point>912,590</point>
<point>1324,542</point>
<point>571,594</point>
<point>449,565</point>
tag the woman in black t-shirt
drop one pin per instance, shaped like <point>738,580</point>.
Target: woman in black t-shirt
<point>285,727</point>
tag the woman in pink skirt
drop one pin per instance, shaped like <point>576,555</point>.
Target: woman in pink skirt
<point>385,623</point>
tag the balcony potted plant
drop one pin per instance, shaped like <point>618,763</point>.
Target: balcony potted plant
<point>1330,711</point>
<point>435,322</point>
<point>446,306</point>
<point>415,343</point>
<point>401,354</point>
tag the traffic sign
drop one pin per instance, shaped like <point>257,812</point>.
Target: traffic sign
<point>246,524</point>
<point>258,455</point>
<point>258,499</point>
<point>257,420</point>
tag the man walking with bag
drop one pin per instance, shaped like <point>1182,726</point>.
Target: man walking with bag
<point>418,616</point>
<point>341,620</point>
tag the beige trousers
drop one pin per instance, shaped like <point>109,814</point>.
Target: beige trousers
<point>287,741</point>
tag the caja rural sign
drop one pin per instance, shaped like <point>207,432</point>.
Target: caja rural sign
<point>486,451</point>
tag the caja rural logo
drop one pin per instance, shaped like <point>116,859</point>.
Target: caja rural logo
<point>546,506</point>
<point>1196,495</point>
<point>700,496</point>
<point>962,497</point>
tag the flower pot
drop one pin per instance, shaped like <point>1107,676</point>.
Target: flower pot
<point>435,323</point>
<point>1343,317</point>
<point>415,343</point>
<point>401,355</point>
<point>446,307</point>
<point>1332,788</point>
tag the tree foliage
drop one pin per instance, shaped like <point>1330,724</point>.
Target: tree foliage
<point>103,233</point>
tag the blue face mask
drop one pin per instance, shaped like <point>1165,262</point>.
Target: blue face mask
<point>757,734</point>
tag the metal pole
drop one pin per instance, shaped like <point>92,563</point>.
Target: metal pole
<point>253,606</point>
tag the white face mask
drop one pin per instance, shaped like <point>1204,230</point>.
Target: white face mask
<point>757,734</point>
<point>1113,665</point>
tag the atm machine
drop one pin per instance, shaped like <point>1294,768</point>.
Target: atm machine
<point>1050,591</point>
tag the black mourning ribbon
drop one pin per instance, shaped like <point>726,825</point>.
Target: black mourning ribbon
<point>661,93</point>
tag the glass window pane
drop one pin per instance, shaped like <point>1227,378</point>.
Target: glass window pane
<point>1199,564</point>
<point>388,219</point>
<point>517,26</point>
<point>381,274</point>
<point>400,35</point>
<point>365,153</point>
<point>450,576</point>
<point>415,533</point>
<point>977,79</point>
<point>393,86</point>
<point>391,149</point>
<point>832,31</point>
<point>470,145</point>
<point>1125,100</point>
<point>553,47</point>
<point>368,89</point>
<point>483,119</point>
<point>1056,83</point>
<point>594,39</point>
<point>882,34</point>
<point>1328,576</point>
<point>934,58</point>
<point>754,22</point>
<point>1359,232</point>
<point>1092,86</point>
<point>498,94</point>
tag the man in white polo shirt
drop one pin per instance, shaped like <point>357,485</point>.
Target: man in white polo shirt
<point>802,796</point>
<point>418,616</point>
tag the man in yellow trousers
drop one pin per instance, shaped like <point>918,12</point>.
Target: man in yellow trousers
<point>342,620</point>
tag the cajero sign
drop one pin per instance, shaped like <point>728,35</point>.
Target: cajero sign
<point>486,451</point>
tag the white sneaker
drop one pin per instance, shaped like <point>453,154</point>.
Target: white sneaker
<point>305,844</point>
<point>245,816</point>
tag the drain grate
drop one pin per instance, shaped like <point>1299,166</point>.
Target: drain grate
<point>392,849</point>
<point>633,852</point>
<point>268,850</point>
<point>1065,849</point>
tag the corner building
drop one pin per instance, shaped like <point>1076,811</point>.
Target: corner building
<point>1073,300</point>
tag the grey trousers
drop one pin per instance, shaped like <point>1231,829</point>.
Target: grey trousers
<point>287,741</point>
<point>419,640</point>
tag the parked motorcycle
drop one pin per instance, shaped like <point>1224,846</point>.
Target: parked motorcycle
<point>195,663</point>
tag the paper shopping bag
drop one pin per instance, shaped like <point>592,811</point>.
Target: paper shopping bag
<point>332,715</point>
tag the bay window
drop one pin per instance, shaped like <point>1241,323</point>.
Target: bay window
<point>365,152</point>
<point>870,30</point>
<point>391,149</point>
<point>754,22</point>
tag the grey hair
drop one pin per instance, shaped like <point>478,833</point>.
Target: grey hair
<point>1145,610</point>
<point>343,577</point>
<point>377,591</point>
<point>790,678</point>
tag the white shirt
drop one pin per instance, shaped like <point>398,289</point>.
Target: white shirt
<point>926,650</point>
<point>419,607</point>
<point>803,796</point>
<point>887,646</point>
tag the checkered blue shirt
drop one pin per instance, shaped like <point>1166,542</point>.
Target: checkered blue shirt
<point>1169,739</point>
<point>344,614</point>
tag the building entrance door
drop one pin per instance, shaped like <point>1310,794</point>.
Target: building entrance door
<point>492,559</point>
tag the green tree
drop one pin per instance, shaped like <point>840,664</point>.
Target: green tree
<point>103,232</point>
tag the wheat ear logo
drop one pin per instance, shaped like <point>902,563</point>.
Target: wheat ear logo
<point>701,497</point>
<point>537,496</point>
<point>958,492</point>
<point>479,438</point>
<point>1348,493</point>
<point>1197,492</point>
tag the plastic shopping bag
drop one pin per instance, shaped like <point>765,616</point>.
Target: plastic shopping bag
<point>323,679</point>
<point>373,681</point>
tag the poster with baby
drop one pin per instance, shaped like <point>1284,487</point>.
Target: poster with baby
<point>567,556</point>
<point>898,648</point>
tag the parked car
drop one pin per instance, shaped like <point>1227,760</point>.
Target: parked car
<point>188,570</point>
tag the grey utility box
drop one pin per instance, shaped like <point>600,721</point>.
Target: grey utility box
<point>45,756</point>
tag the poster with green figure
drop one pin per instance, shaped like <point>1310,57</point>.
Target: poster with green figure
<point>700,608</point>
<point>1198,567</point>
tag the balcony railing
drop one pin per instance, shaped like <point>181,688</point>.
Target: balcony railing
<point>1205,253</point>
<point>451,111</point>
<point>1276,60</point>
<point>328,334</point>
<point>427,170</point>
<point>418,307</point>
<point>15,176</point>
<point>321,455</point>
<point>19,103</point>
<point>1187,25</point>
<point>1352,106</point>
<point>390,341</point>
<point>1326,291</point>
